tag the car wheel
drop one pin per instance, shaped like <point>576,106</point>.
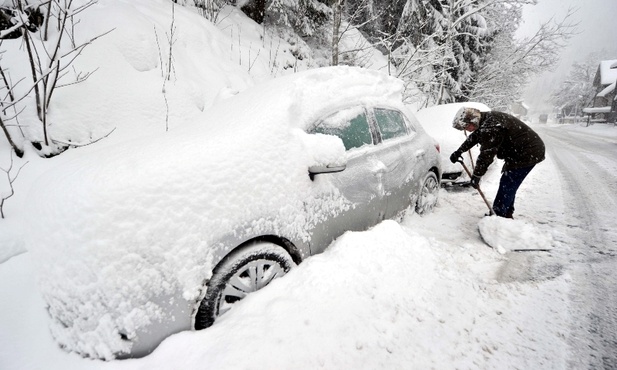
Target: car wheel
<point>244,271</point>
<point>428,194</point>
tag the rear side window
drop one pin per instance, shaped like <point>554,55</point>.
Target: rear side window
<point>391,123</point>
<point>350,125</point>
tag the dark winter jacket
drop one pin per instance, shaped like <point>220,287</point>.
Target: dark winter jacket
<point>507,137</point>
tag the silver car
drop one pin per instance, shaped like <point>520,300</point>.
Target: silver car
<point>141,259</point>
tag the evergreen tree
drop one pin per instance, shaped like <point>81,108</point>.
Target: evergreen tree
<point>497,83</point>
<point>304,16</point>
<point>452,36</point>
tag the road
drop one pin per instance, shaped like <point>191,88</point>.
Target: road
<point>588,168</point>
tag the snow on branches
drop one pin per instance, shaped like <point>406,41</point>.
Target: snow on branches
<point>50,54</point>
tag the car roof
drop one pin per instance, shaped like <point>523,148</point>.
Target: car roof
<point>302,98</point>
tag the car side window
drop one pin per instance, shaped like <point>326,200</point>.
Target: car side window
<point>351,125</point>
<point>391,123</point>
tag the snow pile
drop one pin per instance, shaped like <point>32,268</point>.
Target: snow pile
<point>126,89</point>
<point>387,298</point>
<point>341,279</point>
<point>505,235</point>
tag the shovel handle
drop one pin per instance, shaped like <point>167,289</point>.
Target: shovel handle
<point>490,209</point>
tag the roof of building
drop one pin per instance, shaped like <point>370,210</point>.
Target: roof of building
<point>608,71</point>
<point>607,90</point>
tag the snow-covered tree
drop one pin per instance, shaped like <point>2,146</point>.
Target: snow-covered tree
<point>376,17</point>
<point>304,16</point>
<point>49,52</point>
<point>439,45</point>
<point>577,92</point>
<point>209,9</point>
<point>511,62</point>
<point>345,19</point>
<point>498,81</point>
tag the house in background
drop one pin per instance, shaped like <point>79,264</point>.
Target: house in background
<point>604,107</point>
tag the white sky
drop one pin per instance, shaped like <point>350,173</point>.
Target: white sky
<point>597,31</point>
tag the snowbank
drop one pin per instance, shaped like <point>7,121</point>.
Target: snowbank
<point>390,297</point>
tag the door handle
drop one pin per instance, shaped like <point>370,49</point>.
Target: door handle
<point>378,168</point>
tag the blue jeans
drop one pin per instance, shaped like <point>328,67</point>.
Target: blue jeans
<point>503,205</point>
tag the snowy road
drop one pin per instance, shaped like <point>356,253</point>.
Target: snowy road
<point>588,168</point>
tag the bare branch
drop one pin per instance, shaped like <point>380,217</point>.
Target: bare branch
<point>10,180</point>
<point>85,144</point>
<point>79,78</point>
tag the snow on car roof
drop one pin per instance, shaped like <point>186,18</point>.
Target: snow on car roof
<point>302,98</point>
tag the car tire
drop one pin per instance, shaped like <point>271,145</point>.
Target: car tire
<point>428,194</point>
<point>244,271</point>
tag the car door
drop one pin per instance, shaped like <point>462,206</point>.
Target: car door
<point>360,185</point>
<point>405,158</point>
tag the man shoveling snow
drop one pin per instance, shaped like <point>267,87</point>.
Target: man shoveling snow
<point>507,137</point>
<point>521,149</point>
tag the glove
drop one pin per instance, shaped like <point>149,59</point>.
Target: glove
<point>454,157</point>
<point>475,182</point>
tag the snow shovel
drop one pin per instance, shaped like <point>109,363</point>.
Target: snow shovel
<point>490,209</point>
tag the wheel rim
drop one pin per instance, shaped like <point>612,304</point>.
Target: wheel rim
<point>428,196</point>
<point>250,278</point>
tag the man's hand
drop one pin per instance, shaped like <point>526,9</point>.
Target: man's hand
<point>475,182</point>
<point>454,157</point>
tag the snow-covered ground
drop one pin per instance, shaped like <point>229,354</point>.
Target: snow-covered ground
<point>420,292</point>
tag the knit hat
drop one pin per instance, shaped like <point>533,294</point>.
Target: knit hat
<point>466,116</point>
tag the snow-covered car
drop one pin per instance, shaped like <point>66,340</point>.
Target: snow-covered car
<point>437,121</point>
<point>167,233</point>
